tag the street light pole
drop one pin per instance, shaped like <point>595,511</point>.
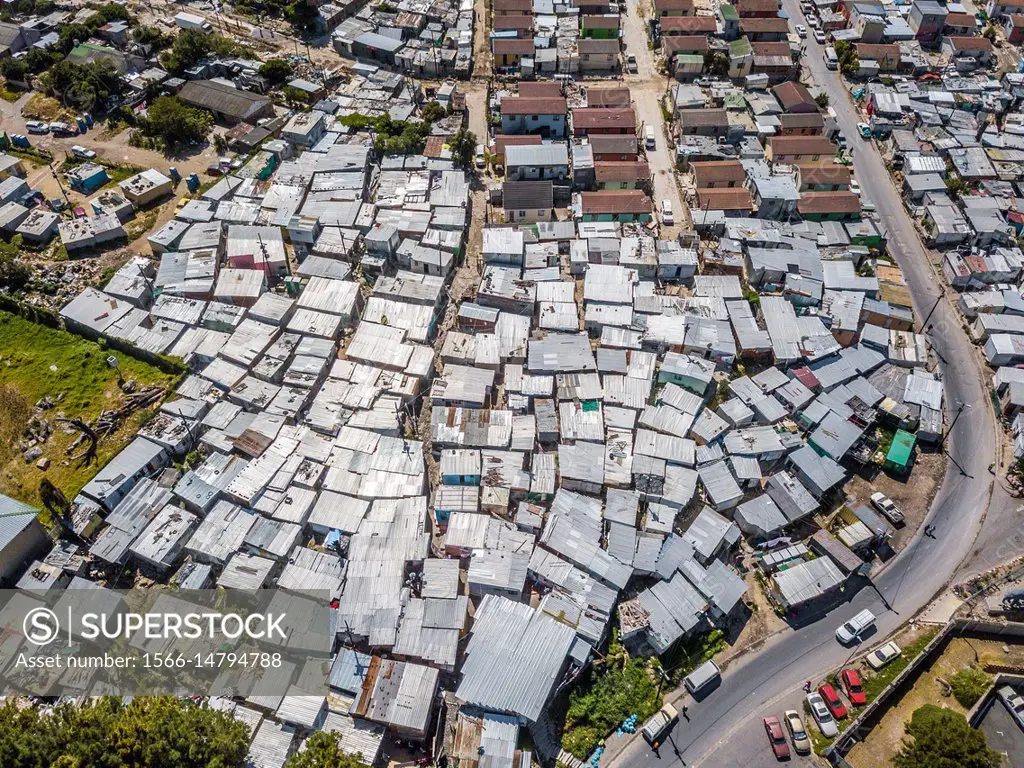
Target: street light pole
<point>928,317</point>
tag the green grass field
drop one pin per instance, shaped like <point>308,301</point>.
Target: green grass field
<point>37,361</point>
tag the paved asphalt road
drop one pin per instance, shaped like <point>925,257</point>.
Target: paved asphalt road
<point>724,729</point>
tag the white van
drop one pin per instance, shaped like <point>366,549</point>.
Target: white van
<point>855,627</point>
<point>659,725</point>
<point>702,677</point>
<point>831,60</point>
<point>649,136</point>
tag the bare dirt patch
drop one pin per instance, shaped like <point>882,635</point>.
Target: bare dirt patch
<point>913,493</point>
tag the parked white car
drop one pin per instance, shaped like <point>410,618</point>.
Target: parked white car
<point>883,503</point>
<point>883,655</point>
<point>822,717</point>
<point>82,152</point>
<point>666,213</point>
<point>855,187</point>
<point>820,37</point>
<point>801,30</point>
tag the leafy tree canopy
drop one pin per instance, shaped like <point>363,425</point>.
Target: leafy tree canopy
<point>158,732</point>
<point>941,738</point>
<point>171,120</point>
<point>323,750</point>
<point>276,70</point>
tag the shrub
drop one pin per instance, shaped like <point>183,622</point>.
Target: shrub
<point>969,685</point>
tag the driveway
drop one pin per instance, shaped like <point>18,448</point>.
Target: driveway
<point>647,87</point>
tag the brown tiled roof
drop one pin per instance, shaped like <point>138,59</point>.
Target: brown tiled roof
<point>698,118</point>
<point>523,6</point>
<point>603,117</point>
<point>770,24</point>
<point>801,145</point>
<point>689,24</point>
<point>520,105</point>
<point>677,43</point>
<point>772,49</point>
<point>673,5</point>
<point>602,21</point>
<point>609,97</point>
<point>502,140</point>
<point>791,95</point>
<point>757,6</point>
<point>539,90</point>
<point>961,20</point>
<point>434,145</point>
<point>590,45</point>
<point>516,21</point>
<point>876,50</point>
<point>504,45</point>
<point>802,120</point>
<point>609,201</point>
<point>970,43</point>
<point>828,202</point>
<point>824,172</point>
<point>622,170</point>
<point>613,144</point>
<point>727,199</point>
<point>707,172</point>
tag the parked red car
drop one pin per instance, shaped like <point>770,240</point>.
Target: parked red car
<point>854,687</point>
<point>832,701</point>
<point>776,738</point>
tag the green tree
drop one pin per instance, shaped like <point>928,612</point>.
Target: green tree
<point>152,732</point>
<point>294,95</point>
<point>152,36</point>
<point>849,63</point>
<point>192,46</point>
<point>276,70</point>
<point>716,64</point>
<point>41,59</point>
<point>821,100</point>
<point>13,69</point>
<point>941,738</point>
<point>14,273</point>
<point>969,685</point>
<point>174,122</point>
<point>432,112</point>
<point>323,750</point>
<point>108,13</point>
<point>956,186</point>
<point>463,144</point>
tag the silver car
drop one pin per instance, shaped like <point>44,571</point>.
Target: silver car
<point>821,715</point>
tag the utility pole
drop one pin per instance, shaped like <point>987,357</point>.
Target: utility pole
<point>959,410</point>
<point>931,311</point>
<point>56,178</point>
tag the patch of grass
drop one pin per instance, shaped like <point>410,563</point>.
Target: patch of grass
<point>876,682</point>
<point>140,225</point>
<point>11,96</point>
<point>622,685</point>
<point>969,685</point>
<point>33,157</point>
<point>43,107</point>
<point>37,361</point>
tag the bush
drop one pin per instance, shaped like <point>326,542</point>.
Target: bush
<point>969,685</point>
<point>944,739</point>
<point>173,122</point>
<point>276,70</point>
<point>622,686</point>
